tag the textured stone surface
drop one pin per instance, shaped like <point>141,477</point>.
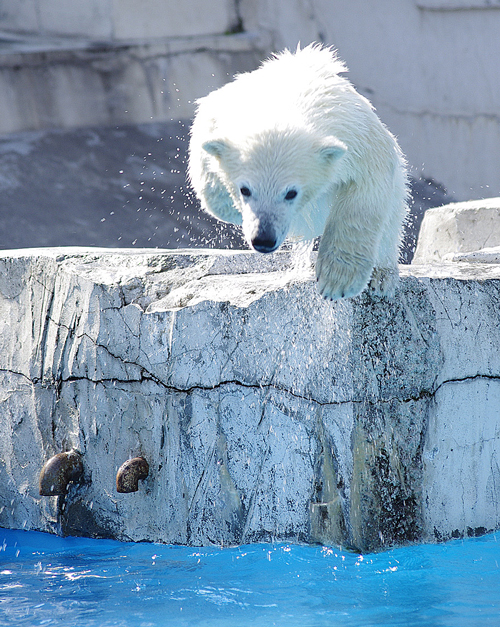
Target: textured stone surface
<point>459,228</point>
<point>263,412</point>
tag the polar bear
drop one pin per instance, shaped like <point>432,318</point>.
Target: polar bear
<point>291,149</point>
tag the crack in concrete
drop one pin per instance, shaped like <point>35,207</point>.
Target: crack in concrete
<point>17,374</point>
<point>492,377</point>
<point>148,376</point>
<point>469,118</point>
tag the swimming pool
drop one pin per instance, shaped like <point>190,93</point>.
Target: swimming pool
<point>46,580</point>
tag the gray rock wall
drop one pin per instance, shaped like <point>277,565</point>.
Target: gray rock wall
<point>68,82</point>
<point>264,412</point>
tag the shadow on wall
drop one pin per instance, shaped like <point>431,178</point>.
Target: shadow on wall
<point>122,187</point>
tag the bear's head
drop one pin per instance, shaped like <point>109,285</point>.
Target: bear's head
<point>273,177</point>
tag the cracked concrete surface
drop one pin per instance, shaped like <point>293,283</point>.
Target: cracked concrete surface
<point>264,412</point>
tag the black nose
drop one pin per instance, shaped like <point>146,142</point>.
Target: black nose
<point>264,244</point>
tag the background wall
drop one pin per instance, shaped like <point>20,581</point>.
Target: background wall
<point>118,19</point>
<point>429,66</point>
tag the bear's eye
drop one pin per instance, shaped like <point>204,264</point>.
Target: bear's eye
<point>245,191</point>
<point>290,195</point>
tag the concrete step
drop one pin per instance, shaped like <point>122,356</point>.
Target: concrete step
<point>465,231</point>
<point>64,82</point>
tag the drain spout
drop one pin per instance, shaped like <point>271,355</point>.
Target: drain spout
<point>127,478</point>
<point>59,471</point>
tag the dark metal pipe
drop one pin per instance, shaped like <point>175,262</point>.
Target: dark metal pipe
<point>59,471</point>
<point>129,473</point>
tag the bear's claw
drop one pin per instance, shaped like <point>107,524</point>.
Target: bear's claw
<point>339,279</point>
<point>383,281</point>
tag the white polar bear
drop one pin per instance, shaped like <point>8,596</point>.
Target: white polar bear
<point>292,149</point>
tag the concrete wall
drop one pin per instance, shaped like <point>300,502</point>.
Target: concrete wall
<point>264,412</point>
<point>118,19</point>
<point>56,83</point>
<point>429,66</point>
<point>70,64</point>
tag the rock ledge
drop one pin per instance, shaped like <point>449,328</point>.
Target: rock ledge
<point>263,412</point>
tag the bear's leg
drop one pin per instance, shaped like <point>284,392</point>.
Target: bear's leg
<point>341,274</point>
<point>383,281</point>
<point>386,273</point>
<point>346,257</point>
<point>360,244</point>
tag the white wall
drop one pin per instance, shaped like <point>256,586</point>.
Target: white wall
<point>431,67</point>
<point>118,19</point>
<point>61,84</point>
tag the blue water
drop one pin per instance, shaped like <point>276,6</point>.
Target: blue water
<point>72,582</point>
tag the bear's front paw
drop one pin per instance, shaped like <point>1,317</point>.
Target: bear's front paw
<point>342,276</point>
<point>384,281</point>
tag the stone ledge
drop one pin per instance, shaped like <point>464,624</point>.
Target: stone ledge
<point>110,83</point>
<point>458,228</point>
<point>264,412</point>
<point>36,51</point>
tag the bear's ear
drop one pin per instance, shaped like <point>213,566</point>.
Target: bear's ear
<point>332,149</point>
<point>216,147</point>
